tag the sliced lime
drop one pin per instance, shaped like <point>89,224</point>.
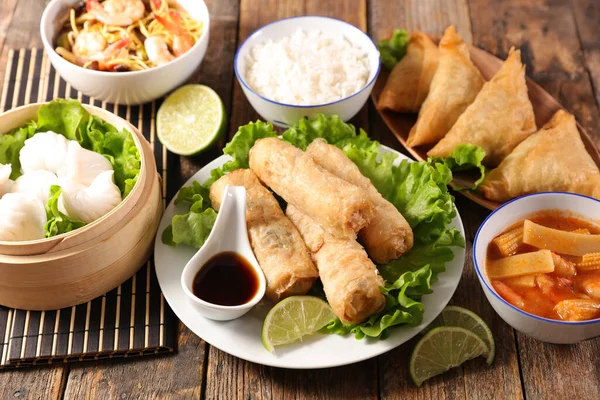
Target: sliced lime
<point>293,318</point>
<point>441,349</point>
<point>190,120</point>
<point>463,318</point>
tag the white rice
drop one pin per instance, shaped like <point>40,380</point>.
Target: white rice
<point>307,68</point>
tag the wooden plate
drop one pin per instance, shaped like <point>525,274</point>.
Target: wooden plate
<point>544,106</point>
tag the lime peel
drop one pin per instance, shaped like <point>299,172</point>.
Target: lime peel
<point>463,318</point>
<point>441,349</point>
<point>293,318</point>
<point>190,119</point>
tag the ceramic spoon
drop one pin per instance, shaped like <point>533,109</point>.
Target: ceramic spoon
<point>229,234</point>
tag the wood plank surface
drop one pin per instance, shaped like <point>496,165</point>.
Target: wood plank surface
<point>587,18</point>
<point>7,10</point>
<point>20,18</point>
<point>171,376</point>
<point>547,35</point>
<point>46,382</point>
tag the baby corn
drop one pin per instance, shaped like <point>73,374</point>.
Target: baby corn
<point>578,309</point>
<point>589,262</point>
<point>509,241</point>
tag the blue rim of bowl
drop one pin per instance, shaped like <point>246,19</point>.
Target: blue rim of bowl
<point>482,280</point>
<point>243,82</point>
<point>49,43</point>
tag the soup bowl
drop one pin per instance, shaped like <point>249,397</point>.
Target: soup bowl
<point>131,87</point>
<point>77,266</point>
<point>285,115</point>
<point>544,329</point>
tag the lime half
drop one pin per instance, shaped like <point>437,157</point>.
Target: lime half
<point>191,119</point>
<point>463,318</point>
<point>293,318</point>
<point>441,349</point>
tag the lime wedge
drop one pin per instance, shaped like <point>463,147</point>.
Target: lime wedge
<point>190,120</point>
<point>441,349</point>
<point>293,318</point>
<point>463,318</point>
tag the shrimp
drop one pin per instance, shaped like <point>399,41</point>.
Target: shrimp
<point>590,284</point>
<point>117,12</point>
<point>510,295</point>
<point>182,40</point>
<point>88,44</point>
<point>578,310</point>
<point>91,46</point>
<point>157,50</point>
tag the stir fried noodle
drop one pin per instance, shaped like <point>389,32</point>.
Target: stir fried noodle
<point>126,35</point>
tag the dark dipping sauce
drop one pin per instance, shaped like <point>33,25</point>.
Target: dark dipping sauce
<point>227,279</point>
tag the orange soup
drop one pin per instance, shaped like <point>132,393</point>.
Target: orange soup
<point>548,265</point>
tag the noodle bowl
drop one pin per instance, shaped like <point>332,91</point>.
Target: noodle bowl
<point>131,86</point>
<point>113,35</point>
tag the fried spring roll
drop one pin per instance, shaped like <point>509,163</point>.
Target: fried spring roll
<point>350,279</point>
<point>388,235</point>
<point>341,208</point>
<point>279,248</point>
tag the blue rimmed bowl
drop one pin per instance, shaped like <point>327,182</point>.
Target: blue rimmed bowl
<point>285,115</point>
<point>544,329</point>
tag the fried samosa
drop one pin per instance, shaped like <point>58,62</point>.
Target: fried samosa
<point>453,88</point>
<point>408,84</point>
<point>553,159</point>
<point>499,119</point>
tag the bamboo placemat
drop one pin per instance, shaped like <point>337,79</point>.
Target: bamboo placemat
<point>132,320</point>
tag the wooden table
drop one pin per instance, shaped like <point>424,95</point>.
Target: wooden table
<point>560,42</point>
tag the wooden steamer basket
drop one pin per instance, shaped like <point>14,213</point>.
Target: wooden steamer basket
<point>78,266</point>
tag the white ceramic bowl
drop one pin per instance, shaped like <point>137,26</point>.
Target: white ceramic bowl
<point>124,87</point>
<point>284,115</point>
<point>544,329</point>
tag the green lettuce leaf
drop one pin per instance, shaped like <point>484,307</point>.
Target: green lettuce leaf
<point>11,145</point>
<point>239,148</point>
<point>465,157</point>
<point>120,149</point>
<point>394,49</point>
<point>70,119</point>
<point>196,196</point>
<point>435,254</point>
<point>193,228</point>
<point>58,222</point>
<point>64,117</point>
<point>333,129</point>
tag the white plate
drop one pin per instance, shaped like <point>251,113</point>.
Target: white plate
<point>241,337</point>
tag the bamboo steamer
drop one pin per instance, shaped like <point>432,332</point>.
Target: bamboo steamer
<point>81,265</point>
